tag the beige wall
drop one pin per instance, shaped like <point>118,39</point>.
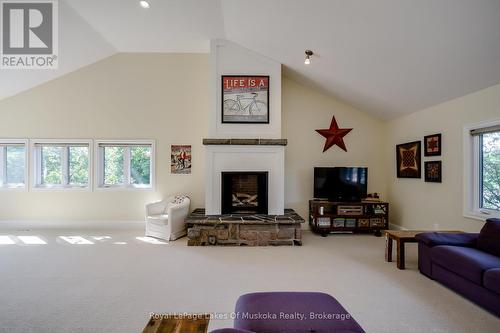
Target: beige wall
<point>166,97</point>
<point>127,96</point>
<point>304,111</point>
<point>417,204</point>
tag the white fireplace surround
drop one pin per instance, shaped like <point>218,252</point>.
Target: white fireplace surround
<point>224,158</point>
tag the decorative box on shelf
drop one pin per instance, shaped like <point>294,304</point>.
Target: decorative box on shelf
<point>367,216</point>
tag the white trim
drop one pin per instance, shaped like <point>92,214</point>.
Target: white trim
<point>35,183</point>
<point>70,225</point>
<point>126,166</point>
<point>3,165</point>
<point>471,173</point>
<point>245,158</point>
<point>99,163</point>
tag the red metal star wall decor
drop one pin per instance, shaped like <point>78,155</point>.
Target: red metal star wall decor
<point>334,135</point>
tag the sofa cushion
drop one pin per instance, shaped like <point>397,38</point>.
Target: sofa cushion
<point>293,312</point>
<point>491,280</point>
<point>443,238</point>
<point>489,237</point>
<point>467,262</point>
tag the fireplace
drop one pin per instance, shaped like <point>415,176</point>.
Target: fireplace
<point>244,193</point>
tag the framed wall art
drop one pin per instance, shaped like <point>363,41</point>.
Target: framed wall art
<point>245,99</point>
<point>408,159</point>
<point>433,171</point>
<point>180,159</point>
<point>432,144</point>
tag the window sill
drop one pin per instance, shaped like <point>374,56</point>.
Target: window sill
<point>124,188</point>
<point>13,188</point>
<point>475,215</point>
<point>61,188</point>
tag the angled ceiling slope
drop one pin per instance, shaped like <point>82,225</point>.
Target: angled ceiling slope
<point>168,26</point>
<point>387,57</point>
<point>79,45</point>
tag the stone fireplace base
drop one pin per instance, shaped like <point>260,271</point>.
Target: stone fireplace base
<point>241,229</point>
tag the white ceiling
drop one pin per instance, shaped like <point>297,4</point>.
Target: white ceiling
<point>168,26</point>
<point>387,57</point>
<point>79,45</point>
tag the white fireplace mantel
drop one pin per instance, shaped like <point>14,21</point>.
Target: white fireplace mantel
<point>223,158</point>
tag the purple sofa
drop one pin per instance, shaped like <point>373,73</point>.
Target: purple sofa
<point>467,263</point>
<point>291,312</point>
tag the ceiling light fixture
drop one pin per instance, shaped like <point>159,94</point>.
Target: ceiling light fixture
<point>144,4</point>
<point>309,53</point>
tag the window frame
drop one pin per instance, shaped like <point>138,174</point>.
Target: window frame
<point>37,166</point>
<point>3,163</point>
<point>472,174</point>
<point>99,165</point>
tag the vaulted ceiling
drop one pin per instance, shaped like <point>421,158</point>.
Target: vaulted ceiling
<point>387,57</point>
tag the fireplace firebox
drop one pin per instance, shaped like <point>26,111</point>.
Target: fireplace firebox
<point>244,192</point>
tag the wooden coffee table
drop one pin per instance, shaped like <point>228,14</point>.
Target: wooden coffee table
<point>402,237</point>
<point>177,324</point>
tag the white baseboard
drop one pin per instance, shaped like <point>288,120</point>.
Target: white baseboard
<point>396,227</point>
<point>68,224</point>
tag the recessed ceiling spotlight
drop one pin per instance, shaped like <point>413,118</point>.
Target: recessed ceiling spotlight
<point>144,4</point>
<point>309,53</point>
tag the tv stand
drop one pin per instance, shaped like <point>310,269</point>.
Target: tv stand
<point>348,217</point>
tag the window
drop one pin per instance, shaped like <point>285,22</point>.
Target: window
<point>125,164</point>
<point>13,159</point>
<point>62,164</point>
<point>483,171</point>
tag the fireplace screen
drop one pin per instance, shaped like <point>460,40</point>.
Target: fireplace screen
<point>244,192</point>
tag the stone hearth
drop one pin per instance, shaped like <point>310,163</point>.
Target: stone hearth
<point>241,229</point>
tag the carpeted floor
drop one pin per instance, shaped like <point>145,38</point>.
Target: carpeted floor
<point>113,284</point>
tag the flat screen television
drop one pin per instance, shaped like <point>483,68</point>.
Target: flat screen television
<point>341,184</point>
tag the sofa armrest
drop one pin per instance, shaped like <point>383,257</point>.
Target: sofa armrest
<point>443,238</point>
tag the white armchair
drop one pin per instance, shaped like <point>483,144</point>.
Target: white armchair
<point>165,219</point>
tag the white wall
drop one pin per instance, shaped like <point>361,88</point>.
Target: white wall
<point>231,59</point>
<point>165,97</point>
<point>420,205</point>
<point>168,98</point>
<point>304,111</point>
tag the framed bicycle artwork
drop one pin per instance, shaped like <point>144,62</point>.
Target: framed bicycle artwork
<point>245,99</point>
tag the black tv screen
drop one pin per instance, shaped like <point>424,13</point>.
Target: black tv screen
<point>341,184</point>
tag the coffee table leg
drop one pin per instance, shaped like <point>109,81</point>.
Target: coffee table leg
<point>388,248</point>
<point>400,254</point>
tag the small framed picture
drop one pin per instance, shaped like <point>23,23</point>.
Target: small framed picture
<point>245,99</point>
<point>408,159</point>
<point>180,159</point>
<point>432,144</point>
<point>433,171</point>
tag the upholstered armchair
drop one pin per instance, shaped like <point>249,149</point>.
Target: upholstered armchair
<point>165,219</point>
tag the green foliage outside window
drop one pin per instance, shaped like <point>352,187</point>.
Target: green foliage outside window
<point>15,157</point>
<point>491,171</point>
<point>51,165</point>
<point>140,165</point>
<point>78,165</point>
<point>113,165</point>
